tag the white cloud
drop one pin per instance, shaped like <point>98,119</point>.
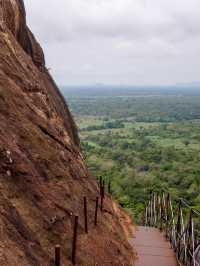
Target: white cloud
<point>118,41</point>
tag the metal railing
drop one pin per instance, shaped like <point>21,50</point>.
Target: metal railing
<point>179,222</point>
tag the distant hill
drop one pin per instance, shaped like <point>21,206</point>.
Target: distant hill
<point>190,84</point>
<point>109,91</point>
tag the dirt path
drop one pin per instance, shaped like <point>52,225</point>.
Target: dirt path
<point>152,248</point>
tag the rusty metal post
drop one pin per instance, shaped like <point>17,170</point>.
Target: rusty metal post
<point>103,189</point>
<point>85,215</point>
<point>109,187</point>
<point>74,240</point>
<point>100,190</point>
<point>96,211</point>
<point>57,255</point>
<point>102,202</point>
<point>100,185</point>
<point>100,181</point>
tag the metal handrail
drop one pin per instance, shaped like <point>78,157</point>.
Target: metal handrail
<point>179,221</point>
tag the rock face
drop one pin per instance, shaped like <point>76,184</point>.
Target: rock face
<point>43,178</point>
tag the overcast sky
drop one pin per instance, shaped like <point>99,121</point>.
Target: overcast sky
<point>118,41</point>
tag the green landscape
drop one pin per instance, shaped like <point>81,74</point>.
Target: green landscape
<point>141,140</point>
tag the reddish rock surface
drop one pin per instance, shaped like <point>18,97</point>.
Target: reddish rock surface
<point>43,178</point>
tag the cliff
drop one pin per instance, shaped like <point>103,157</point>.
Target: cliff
<point>43,178</point>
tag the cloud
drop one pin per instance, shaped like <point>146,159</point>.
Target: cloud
<point>118,41</point>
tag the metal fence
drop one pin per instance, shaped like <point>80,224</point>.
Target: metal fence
<point>179,222</point>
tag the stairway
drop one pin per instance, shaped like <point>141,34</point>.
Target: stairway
<point>152,248</point>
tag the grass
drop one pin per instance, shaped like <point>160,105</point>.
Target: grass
<point>141,125</point>
<point>86,121</point>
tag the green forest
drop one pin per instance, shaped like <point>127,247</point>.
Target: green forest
<point>140,142</point>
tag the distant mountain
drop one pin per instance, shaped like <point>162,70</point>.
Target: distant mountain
<point>189,84</point>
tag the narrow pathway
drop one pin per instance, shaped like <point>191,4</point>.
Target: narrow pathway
<point>152,248</point>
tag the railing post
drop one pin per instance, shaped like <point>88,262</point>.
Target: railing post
<point>164,212</point>
<point>173,229</point>
<point>161,212</point>
<point>146,215</point>
<point>100,182</point>
<point>190,243</point>
<point>101,203</point>
<point>102,194</point>
<point>157,209</point>
<point>183,234</point>
<point>57,255</point>
<point>151,209</point>
<point>96,211</point>
<point>103,189</point>
<point>178,230</point>
<point>154,209</point>
<point>167,215</point>
<point>85,215</point>
<point>109,187</point>
<point>74,240</point>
